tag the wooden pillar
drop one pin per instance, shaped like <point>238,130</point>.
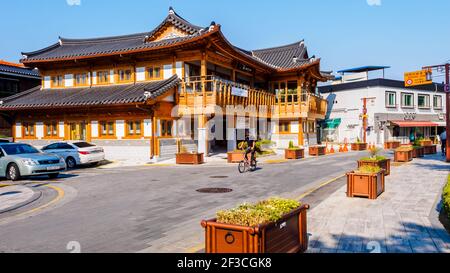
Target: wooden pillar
<point>153,141</point>
<point>203,72</point>
<point>300,132</point>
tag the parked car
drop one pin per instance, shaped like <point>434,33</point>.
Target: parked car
<point>76,153</point>
<point>19,160</point>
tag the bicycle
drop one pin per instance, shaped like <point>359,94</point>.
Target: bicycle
<point>245,165</point>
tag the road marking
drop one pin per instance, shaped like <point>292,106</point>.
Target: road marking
<point>159,165</point>
<point>60,195</point>
<point>275,161</point>
<point>320,186</point>
<point>4,185</point>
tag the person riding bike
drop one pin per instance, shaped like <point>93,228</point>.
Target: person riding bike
<point>251,148</point>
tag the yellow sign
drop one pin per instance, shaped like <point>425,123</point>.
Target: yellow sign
<point>421,77</point>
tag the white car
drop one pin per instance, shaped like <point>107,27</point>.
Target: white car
<point>76,153</point>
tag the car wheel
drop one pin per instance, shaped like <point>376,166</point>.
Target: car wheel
<point>13,172</point>
<point>53,175</point>
<point>71,163</point>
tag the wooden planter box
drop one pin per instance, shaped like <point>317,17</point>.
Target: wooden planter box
<point>418,152</point>
<point>426,142</point>
<point>317,150</point>
<point>188,158</point>
<point>359,146</point>
<point>430,150</point>
<point>403,156</point>
<point>288,235</point>
<point>294,153</point>
<point>365,185</point>
<point>390,145</point>
<point>235,157</point>
<point>383,164</point>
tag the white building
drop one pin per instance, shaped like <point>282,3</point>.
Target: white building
<point>394,112</point>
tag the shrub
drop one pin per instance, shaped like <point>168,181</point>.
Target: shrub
<point>291,144</point>
<point>376,158</point>
<point>374,151</point>
<point>365,169</point>
<point>242,145</point>
<point>446,198</point>
<point>263,212</point>
<point>183,150</point>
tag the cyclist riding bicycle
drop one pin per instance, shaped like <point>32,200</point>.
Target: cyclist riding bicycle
<point>251,148</point>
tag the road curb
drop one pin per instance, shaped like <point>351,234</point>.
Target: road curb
<point>34,198</point>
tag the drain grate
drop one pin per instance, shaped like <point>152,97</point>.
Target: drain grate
<point>218,176</point>
<point>214,190</point>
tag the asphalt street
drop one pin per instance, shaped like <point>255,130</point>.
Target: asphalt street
<point>155,208</point>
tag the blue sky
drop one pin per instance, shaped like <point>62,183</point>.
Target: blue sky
<point>404,34</point>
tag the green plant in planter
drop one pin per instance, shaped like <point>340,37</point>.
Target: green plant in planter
<point>374,155</point>
<point>366,169</point>
<point>358,140</point>
<point>292,146</point>
<point>446,198</point>
<point>263,212</point>
<point>183,150</point>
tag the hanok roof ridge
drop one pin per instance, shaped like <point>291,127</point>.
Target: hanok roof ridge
<point>282,47</point>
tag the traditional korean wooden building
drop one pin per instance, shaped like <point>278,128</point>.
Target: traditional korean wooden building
<point>121,91</point>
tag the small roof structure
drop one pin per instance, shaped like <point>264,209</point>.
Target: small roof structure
<point>367,68</point>
<point>18,70</point>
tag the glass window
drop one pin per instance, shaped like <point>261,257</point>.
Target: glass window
<point>423,101</point>
<point>284,127</point>
<point>81,79</point>
<point>166,128</point>
<point>437,102</point>
<point>125,75</point>
<point>65,146</point>
<point>407,100</point>
<point>153,73</point>
<point>17,149</point>
<point>391,99</point>
<point>28,129</point>
<point>134,128</point>
<point>51,129</point>
<point>51,147</point>
<point>57,81</point>
<point>103,77</point>
<point>106,128</point>
<point>83,145</point>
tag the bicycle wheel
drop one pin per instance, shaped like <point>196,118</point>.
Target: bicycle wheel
<point>242,167</point>
<point>253,165</point>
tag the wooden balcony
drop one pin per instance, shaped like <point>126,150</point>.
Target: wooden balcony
<point>196,95</point>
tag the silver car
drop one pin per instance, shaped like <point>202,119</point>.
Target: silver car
<point>19,160</point>
<point>76,153</point>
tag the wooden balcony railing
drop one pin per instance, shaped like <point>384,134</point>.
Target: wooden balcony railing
<point>213,91</point>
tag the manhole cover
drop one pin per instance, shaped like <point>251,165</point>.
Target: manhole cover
<point>215,190</point>
<point>218,176</point>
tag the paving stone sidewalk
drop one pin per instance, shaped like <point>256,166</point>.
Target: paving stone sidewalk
<point>12,196</point>
<point>401,220</point>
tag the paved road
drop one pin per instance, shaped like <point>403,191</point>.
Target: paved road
<point>155,209</point>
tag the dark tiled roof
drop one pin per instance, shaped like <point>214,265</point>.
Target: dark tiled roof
<point>68,48</point>
<point>105,95</point>
<point>19,70</point>
<point>283,56</point>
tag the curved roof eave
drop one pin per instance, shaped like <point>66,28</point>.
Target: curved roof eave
<point>123,52</point>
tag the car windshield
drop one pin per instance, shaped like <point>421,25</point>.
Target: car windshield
<point>17,149</point>
<point>83,145</point>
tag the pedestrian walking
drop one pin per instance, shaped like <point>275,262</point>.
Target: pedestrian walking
<point>443,138</point>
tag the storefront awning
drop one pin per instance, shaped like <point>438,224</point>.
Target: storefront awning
<point>406,124</point>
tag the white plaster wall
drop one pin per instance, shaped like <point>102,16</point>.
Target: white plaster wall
<point>140,74</point>
<point>39,130</point>
<point>94,128</point>
<point>68,80</point>
<point>111,76</point>
<point>178,69</point>
<point>120,129</point>
<point>147,128</point>
<point>18,130</point>
<point>167,68</point>
<point>47,82</point>
<point>61,129</point>
<point>294,127</point>
<point>94,77</point>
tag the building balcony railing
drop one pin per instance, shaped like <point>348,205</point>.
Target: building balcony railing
<point>214,91</point>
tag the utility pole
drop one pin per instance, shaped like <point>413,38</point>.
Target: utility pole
<point>447,103</point>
